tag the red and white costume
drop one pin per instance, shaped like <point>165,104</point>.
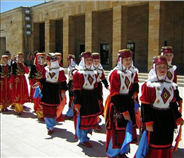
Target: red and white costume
<point>36,75</point>
<point>120,79</point>
<point>159,110</point>
<point>6,96</point>
<point>19,85</point>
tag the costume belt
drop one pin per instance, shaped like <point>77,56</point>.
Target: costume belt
<point>154,107</point>
<point>21,74</point>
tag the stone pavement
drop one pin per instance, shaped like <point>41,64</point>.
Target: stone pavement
<point>24,136</point>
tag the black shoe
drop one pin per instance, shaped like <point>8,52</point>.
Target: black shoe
<point>50,131</point>
<point>87,144</point>
<point>41,119</point>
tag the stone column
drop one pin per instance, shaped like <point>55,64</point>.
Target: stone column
<point>88,31</point>
<point>65,39</point>
<point>95,44</point>
<point>47,36</point>
<point>72,35</point>
<point>52,32</point>
<point>117,33</point>
<point>153,31</point>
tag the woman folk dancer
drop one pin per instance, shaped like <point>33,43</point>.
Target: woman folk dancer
<point>120,109</point>
<point>5,97</point>
<point>100,79</point>
<point>86,99</point>
<point>71,69</point>
<point>159,113</point>
<point>36,75</point>
<point>53,91</point>
<point>10,61</point>
<point>167,52</point>
<point>18,83</point>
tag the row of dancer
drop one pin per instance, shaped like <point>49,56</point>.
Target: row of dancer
<point>46,70</point>
<point>160,108</point>
<point>14,87</point>
<point>160,104</point>
<point>159,97</point>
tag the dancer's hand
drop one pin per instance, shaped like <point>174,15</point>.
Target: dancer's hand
<point>149,128</point>
<point>63,95</point>
<point>127,117</point>
<point>181,122</point>
<point>35,85</point>
<point>77,107</point>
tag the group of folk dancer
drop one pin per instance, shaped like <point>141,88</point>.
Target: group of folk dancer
<point>158,116</point>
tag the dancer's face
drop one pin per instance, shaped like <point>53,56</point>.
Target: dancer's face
<point>5,61</point>
<point>96,62</point>
<point>127,62</point>
<point>20,58</point>
<point>88,61</point>
<point>161,69</point>
<point>169,57</point>
<point>69,62</point>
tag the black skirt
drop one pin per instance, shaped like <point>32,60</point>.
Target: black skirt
<point>99,89</point>
<point>163,127</point>
<point>51,94</point>
<point>89,103</point>
<point>121,103</point>
<point>70,88</point>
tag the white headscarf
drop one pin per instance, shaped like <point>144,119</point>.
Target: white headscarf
<point>82,65</point>
<point>120,66</point>
<point>98,67</point>
<point>153,75</point>
<point>73,63</point>
<point>54,62</point>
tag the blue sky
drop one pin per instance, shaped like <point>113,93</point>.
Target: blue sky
<point>8,5</point>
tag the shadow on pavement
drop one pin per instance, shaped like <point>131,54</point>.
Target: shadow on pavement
<point>179,153</point>
<point>64,134</point>
<point>24,114</point>
<point>103,130</point>
<point>98,149</point>
<point>27,115</point>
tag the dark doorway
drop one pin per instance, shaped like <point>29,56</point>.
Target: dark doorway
<point>131,46</point>
<point>82,49</point>
<point>42,37</point>
<point>2,45</point>
<point>105,55</point>
<point>59,36</point>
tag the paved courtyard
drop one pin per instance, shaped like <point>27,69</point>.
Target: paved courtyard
<point>24,136</point>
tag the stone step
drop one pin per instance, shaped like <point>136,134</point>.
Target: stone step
<point>144,76</point>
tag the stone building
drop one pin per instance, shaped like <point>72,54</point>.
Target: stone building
<point>97,26</point>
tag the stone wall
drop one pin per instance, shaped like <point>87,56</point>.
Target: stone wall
<point>12,30</point>
<point>77,34</point>
<point>135,30</point>
<point>172,30</point>
<point>102,31</point>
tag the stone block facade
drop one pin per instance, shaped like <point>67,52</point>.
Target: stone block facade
<point>72,27</point>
